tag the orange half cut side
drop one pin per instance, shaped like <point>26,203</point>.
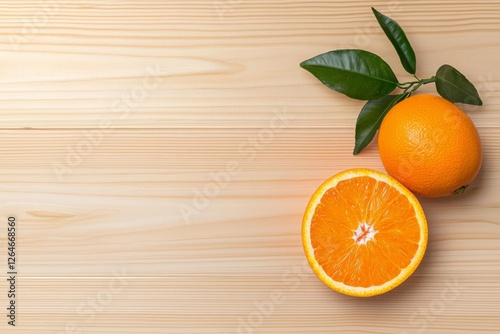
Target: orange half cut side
<point>363,233</point>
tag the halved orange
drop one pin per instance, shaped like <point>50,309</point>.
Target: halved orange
<point>363,233</point>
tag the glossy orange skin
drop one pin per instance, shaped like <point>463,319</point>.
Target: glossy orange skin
<point>430,145</point>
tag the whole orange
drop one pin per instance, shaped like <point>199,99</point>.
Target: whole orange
<point>430,145</point>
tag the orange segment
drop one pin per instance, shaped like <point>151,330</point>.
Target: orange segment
<point>363,232</point>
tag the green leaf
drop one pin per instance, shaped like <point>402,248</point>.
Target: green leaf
<point>454,86</point>
<point>358,74</point>
<point>398,38</point>
<point>370,118</point>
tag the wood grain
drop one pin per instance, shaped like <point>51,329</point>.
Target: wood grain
<point>119,115</point>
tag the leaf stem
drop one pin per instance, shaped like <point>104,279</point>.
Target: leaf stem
<point>414,85</point>
<point>426,81</point>
<point>406,85</point>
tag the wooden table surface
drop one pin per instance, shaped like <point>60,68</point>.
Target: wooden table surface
<point>158,156</point>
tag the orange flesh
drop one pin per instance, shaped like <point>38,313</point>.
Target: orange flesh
<point>339,214</point>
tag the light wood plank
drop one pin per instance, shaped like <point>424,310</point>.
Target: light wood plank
<point>220,71</point>
<point>233,304</point>
<point>141,206</point>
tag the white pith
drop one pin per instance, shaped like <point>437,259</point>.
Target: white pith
<point>363,233</point>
